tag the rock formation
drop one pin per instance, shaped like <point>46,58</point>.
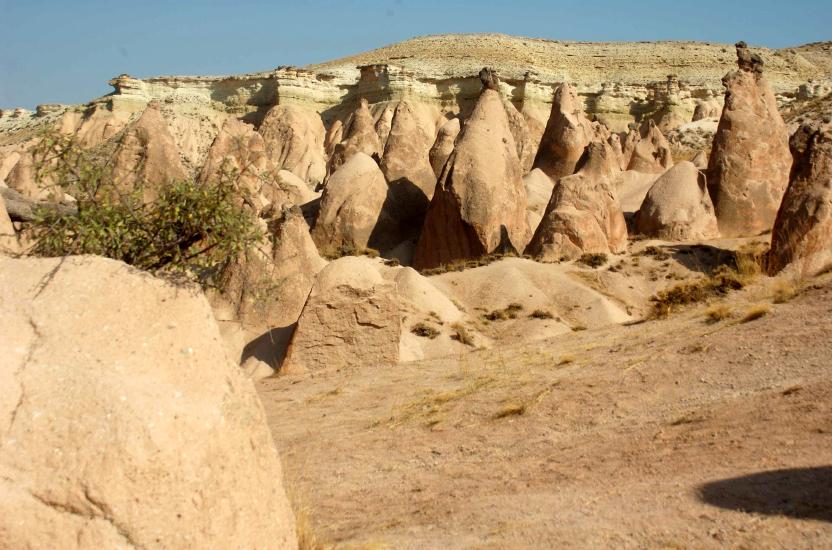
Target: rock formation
<point>749,165</point>
<point>678,207</point>
<point>354,208</point>
<point>583,214</point>
<point>480,202</point>
<point>239,153</point>
<point>8,236</point>
<point>444,145</point>
<point>802,233</point>
<point>567,134</point>
<point>647,150</point>
<point>124,424</point>
<point>359,137</point>
<point>147,155</point>
<point>294,139</point>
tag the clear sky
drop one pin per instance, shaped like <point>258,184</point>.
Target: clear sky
<point>64,51</point>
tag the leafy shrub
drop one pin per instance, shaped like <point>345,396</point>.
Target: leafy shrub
<point>192,227</point>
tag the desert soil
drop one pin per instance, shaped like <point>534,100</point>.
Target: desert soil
<point>668,433</point>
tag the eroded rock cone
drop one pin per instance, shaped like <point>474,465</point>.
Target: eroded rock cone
<point>147,154</point>
<point>444,145</point>
<point>294,139</point>
<point>583,214</point>
<point>406,164</point>
<point>480,194</point>
<point>650,151</point>
<point>360,136</point>
<point>678,207</point>
<point>802,233</point>
<point>163,442</point>
<point>748,170</point>
<point>355,210</point>
<point>567,134</point>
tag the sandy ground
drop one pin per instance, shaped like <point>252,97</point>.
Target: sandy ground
<point>669,433</point>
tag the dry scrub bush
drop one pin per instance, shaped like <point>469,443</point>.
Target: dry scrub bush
<point>541,314</point>
<point>348,249</point>
<point>510,312</point>
<point>756,312</point>
<point>191,227</point>
<point>424,330</point>
<point>462,265</point>
<point>593,259</point>
<point>462,335</point>
<point>718,312</point>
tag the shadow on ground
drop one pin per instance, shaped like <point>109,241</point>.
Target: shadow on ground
<point>804,493</point>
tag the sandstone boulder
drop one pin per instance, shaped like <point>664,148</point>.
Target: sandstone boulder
<point>567,134</point>
<point>444,145</point>
<point>802,233</point>
<point>583,214</point>
<point>147,155</point>
<point>678,207</point>
<point>361,313</point>
<point>353,208</point>
<point>124,424</point>
<point>480,201</point>
<point>749,165</point>
<point>294,139</point>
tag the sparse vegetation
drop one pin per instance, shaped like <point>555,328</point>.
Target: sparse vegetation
<point>756,312</point>
<point>578,328</point>
<point>462,334</point>
<point>656,253</point>
<point>784,290</point>
<point>461,265</point>
<point>593,259</point>
<point>189,227</point>
<point>720,283</point>
<point>510,312</point>
<point>718,312</point>
<point>424,330</point>
<point>541,314</point>
<point>349,249</point>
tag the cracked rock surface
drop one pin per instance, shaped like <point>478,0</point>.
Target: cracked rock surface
<point>122,422</point>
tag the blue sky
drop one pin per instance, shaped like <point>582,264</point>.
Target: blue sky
<point>64,51</point>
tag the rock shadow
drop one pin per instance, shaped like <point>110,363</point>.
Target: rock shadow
<point>271,346</point>
<point>802,493</point>
<point>703,258</point>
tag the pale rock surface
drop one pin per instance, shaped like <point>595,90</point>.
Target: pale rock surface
<point>353,209</point>
<point>678,207</point>
<point>631,187</point>
<point>9,243</point>
<point>163,442</point>
<point>583,214</point>
<point>749,164</point>
<point>567,134</point>
<point>523,139</point>
<point>480,201</point>
<point>238,152</point>
<point>802,234</point>
<point>539,188</point>
<point>384,125</point>
<point>700,160</point>
<point>444,145</point>
<point>294,139</point>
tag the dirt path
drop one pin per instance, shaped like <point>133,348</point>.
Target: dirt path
<point>673,433</point>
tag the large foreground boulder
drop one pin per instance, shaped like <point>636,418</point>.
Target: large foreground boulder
<point>749,165</point>
<point>802,233</point>
<point>122,422</point>
<point>583,214</point>
<point>480,202</point>
<point>678,207</point>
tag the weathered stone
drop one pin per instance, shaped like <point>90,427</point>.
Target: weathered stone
<point>567,134</point>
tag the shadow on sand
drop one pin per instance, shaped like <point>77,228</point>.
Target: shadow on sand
<point>804,493</point>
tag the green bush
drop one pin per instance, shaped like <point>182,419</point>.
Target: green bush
<point>190,226</point>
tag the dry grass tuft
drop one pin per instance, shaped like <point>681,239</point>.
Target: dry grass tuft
<point>511,410</point>
<point>593,259</point>
<point>347,249</point>
<point>510,312</point>
<point>462,334</point>
<point>541,314</point>
<point>424,330</point>
<point>566,359</point>
<point>784,290</point>
<point>756,312</point>
<point>462,265</point>
<point>718,312</point>
<point>719,284</point>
